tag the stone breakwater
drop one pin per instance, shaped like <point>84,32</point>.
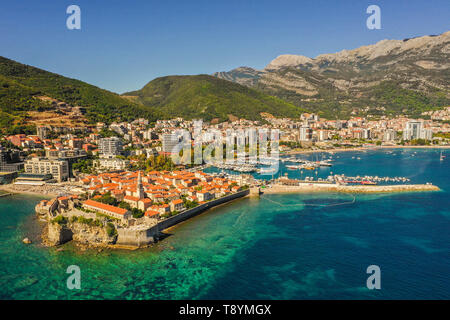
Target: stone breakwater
<point>142,237</point>
<point>316,187</point>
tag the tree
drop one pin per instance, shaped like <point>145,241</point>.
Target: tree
<point>419,142</point>
<point>159,163</point>
<point>124,205</point>
<point>60,220</point>
<point>84,166</point>
<point>137,213</point>
<point>108,199</point>
<point>189,204</point>
<point>111,230</point>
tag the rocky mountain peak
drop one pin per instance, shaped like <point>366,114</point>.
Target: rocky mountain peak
<point>390,77</point>
<point>288,60</point>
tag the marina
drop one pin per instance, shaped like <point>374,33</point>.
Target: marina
<point>369,180</point>
<point>243,168</point>
<point>299,168</point>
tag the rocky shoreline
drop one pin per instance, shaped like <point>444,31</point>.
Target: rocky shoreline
<point>56,234</point>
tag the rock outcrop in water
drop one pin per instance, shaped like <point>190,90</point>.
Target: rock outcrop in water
<point>66,221</point>
<point>82,233</point>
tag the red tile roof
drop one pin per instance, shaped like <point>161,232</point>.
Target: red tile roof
<point>151,213</point>
<point>131,198</point>
<point>105,207</point>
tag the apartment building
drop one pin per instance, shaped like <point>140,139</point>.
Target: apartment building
<point>305,133</point>
<point>110,146</point>
<point>10,161</point>
<point>169,143</point>
<point>112,163</point>
<point>389,135</point>
<point>59,169</point>
<point>415,130</point>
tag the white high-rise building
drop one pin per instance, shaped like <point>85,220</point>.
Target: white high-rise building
<point>426,134</point>
<point>390,135</point>
<point>366,134</point>
<point>415,130</point>
<point>110,146</point>
<point>323,135</point>
<point>169,143</point>
<point>305,133</point>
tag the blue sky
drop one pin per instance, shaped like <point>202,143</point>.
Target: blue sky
<point>124,44</point>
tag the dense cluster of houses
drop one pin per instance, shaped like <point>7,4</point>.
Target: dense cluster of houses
<point>49,156</point>
<point>156,192</point>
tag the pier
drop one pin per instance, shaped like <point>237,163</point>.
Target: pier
<point>334,187</point>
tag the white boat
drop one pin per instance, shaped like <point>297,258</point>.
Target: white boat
<point>325,163</point>
<point>267,171</point>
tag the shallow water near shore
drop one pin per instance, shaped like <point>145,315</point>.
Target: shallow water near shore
<point>276,247</point>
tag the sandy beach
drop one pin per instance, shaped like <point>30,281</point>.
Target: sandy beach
<point>41,191</point>
<point>363,149</point>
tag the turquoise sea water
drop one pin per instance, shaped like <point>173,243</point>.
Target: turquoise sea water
<point>258,249</point>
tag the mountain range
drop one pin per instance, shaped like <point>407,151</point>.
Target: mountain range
<point>390,77</point>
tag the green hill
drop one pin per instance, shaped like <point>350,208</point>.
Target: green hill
<point>20,83</point>
<point>207,97</point>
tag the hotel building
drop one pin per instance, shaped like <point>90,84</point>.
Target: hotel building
<point>59,169</point>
